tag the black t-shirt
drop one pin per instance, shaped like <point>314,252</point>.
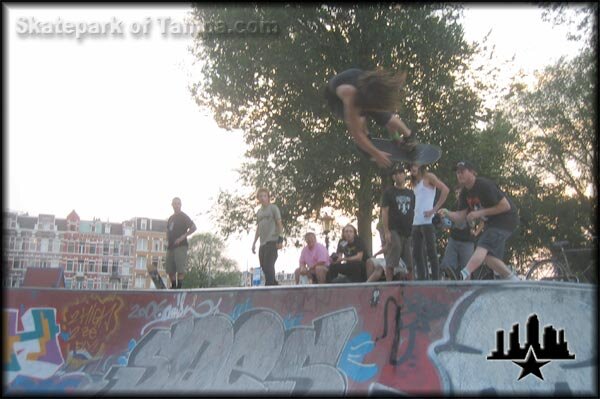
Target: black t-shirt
<point>352,249</point>
<point>486,194</point>
<point>177,225</point>
<point>401,205</point>
<point>463,234</point>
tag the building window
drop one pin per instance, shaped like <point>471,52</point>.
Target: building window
<point>69,265</point>
<point>142,244</point>
<point>157,247</point>
<point>126,249</point>
<point>68,283</point>
<point>71,247</point>
<point>43,244</point>
<point>107,228</point>
<point>79,284</point>
<point>50,245</point>
<point>91,266</point>
<point>90,284</point>
<point>104,266</point>
<point>115,267</point>
<point>140,282</point>
<point>143,224</point>
<point>141,263</point>
<point>81,247</point>
<point>92,248</point>
<point>116,248</point>
<point>80,265</point>
<point>124,284</point>
<point>106,248</point>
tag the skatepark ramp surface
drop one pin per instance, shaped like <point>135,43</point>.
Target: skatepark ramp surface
<point>417,338</point>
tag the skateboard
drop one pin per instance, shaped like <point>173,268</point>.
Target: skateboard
<point>423,154</point>
<point>158,281</point>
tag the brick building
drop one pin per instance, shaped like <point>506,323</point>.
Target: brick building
<point>93,254</point>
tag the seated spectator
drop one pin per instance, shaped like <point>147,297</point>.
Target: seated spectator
<point>376,267</point>
<point>349,258</point>
<point>314,261</point>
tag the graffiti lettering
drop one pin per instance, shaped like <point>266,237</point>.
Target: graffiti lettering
<point>165,311</point>
<point>34,351</point>
<point>232,357</point>
<point>91,322</point>
<point>419,316</point>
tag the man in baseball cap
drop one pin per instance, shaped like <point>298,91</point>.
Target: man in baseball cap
<point>481,198</point>
<point>461,165</point>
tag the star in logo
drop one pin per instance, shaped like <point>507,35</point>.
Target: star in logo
<point>531,365</point>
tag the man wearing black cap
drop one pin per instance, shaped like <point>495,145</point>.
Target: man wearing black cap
<point>482,199</point>
<point>397,212</point>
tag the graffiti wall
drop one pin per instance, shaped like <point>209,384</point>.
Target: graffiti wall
<point>367,339</point>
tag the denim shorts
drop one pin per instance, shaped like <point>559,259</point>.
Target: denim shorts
<point>494,239</point>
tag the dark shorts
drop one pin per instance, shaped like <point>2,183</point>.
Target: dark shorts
<point>337,108</point>
<point>494,240</point>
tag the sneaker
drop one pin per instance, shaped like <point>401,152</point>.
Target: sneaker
<point>409,143</point>
<point>461,275</point>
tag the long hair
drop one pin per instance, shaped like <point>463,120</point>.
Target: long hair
<point>422,171</point>
<point>353,229</point>
<point>379,90</point>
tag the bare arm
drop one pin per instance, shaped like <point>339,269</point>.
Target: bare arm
<point>396,124</point>
<point>382,250</point>
<point>255,239</point>
<point>387,235</point>
<point>355,258</point>
<point>458,217</point>
<point>355,125</point>
<point>189,231</point>
<point>444,190</point>
<point>500,207</point>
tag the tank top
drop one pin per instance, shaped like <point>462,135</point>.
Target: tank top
<point>424,197</point>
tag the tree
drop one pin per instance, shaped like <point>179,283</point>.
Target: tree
<point>557,120</point>
<point>271,86</point>
<point>207,267</point>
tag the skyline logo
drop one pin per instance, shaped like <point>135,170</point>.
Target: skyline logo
<point>532,356</point>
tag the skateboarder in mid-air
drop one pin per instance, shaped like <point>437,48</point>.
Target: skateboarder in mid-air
<point>355,94</point>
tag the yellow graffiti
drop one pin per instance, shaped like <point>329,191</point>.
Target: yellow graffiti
<point>12,339</point>
<point>91,322</point>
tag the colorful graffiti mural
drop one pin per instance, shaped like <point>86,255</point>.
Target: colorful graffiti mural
<point>367,339</point>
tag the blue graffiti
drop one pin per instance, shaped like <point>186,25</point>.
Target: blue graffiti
<point>290,321</point>
<point>54,384</point>
<point>124,358</point>
<point>42,319</point>
<point>352,356</point>
<point>240,308</point>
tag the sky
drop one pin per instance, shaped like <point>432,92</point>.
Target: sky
<point>105,124</point>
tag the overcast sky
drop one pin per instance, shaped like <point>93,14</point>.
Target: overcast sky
<point>105,124</point>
